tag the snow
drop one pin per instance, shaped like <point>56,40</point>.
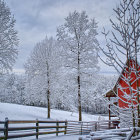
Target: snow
<point>48,137</point>
<point>21,112</point>
<point>115,134</point>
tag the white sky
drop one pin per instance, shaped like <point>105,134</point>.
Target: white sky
<point>37,18</point>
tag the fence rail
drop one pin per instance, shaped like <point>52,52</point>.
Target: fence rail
<point>75,127</point>
<point>26,128</point>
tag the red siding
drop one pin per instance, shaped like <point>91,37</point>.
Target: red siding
<point>125,88</point>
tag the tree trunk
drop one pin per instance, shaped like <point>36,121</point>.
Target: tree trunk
<point>79,94</point>
<point>79,99</point>
<point>137,74</point>
<point>137,88</point>
<point>78,76</point>
<point>48,98</point>
<point>130,87</point>
<point>48,90</point>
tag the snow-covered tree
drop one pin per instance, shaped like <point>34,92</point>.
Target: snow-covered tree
<point>122,47</point>
<point>12,88</point>
<point>78,39</point>
<point>41,67</point>
<point>8,39</point>
<point>19,89</point>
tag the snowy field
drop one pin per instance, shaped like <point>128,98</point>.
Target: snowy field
<point>20,112</point>
<point>48,137</point>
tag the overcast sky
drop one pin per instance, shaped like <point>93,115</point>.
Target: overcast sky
<point>37,18</point>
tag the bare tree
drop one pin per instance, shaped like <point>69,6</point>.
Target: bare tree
<point>123,47</point>
<point>8,39</point>
<point>78,39</point>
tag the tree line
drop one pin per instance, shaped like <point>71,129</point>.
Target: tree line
<point>16,89</point>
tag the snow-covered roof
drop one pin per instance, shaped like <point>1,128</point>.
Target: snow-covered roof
<point>111,93</point>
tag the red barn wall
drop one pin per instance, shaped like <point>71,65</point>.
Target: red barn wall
<point>123,101</point>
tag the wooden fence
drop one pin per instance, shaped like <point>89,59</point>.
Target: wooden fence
<point>24,128</point>
<point>11,128</point>
<point>134,134</point>
<point>117,134</point>
<point>76,127</point>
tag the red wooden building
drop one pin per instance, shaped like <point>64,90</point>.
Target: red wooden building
<point>122,89</point>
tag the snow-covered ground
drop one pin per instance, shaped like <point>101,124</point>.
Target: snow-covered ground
<point>48,137</point>
<point>20,112</point>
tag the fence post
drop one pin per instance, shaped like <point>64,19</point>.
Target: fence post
<point>109,124</point>
<point>57,128</point>
<point>6,129</point>
<point>37,128</point>
<point>65,128</point>
<point>96,126</point>
<point>81,127</point>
